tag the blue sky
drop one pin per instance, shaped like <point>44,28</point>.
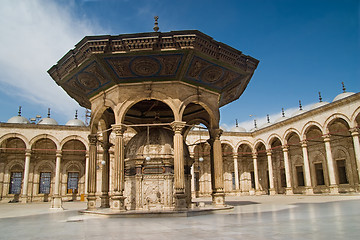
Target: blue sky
<point>303,46</point>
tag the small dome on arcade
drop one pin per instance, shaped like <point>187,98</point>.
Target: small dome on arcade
<point>255,127</point>
<point>18,118</point>
<point>344,94</point>
<point>267,123</point>
<point>48,120</point>
<point>282,118</point>
<point>320,103</point>
<point>75,122</point>
<point>298,112</point>
<point>237,128</point>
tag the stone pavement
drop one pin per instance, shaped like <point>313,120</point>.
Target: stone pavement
<point>253,217</point>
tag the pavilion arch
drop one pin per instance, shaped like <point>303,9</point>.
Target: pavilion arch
<point>335,117</point>
<point>74,137</point>
<point>15,135</point>
<point>289,132</point>
<point>194,122</point>
<point>307,126</point>
<point>45,136</point>
<point>96,117</point>
<point>213,112</point>
<point>123,108</point>
<point>271,139</point>
<point>355,118</point>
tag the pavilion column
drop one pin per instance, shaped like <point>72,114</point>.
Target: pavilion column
<point>24,197</point>
<point>309,188</point>
<point>92,172</point>
<point>355,136</point>
<point>105,169</point>
<point>179,170</point>
<point>256,174</point>
<point>331,168</point>
<point>271,173</point>
<point>56,202</point>
<point>289,190</point>
<point>236,172</point>
<point>217,177</point>
<point>118,198</point>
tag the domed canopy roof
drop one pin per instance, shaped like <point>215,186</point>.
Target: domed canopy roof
<point>155,143</point>
<point>18,119</point>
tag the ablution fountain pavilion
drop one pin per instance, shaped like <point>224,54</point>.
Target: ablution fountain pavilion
<point>158,86</point>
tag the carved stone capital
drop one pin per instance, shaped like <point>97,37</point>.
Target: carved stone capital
<point>28,152</point>
<point>285,148</point>
<point>254,155</point>
<point>354,131</point>
<point>92,139</point>
<point>118,129</point>
<point>326,137</point>
<point>268,152</point>
<point>216,133</point>
<point>177,127</point>
<point>58,153</point>
<point>106,145</point>
<point>304,143</point>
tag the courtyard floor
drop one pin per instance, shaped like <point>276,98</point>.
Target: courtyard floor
<point>253,217</point>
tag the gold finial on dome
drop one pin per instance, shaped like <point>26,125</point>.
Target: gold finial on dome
<point>156,27</point>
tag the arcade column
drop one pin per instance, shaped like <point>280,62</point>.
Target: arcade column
<point>56,202</point>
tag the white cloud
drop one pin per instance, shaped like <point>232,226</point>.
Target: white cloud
<point>34,36</point>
